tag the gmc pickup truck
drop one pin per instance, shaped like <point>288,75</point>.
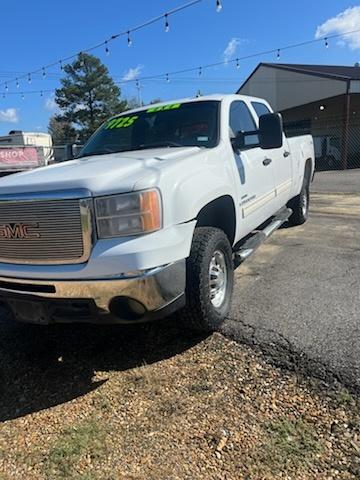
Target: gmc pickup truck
<point>161,206</point>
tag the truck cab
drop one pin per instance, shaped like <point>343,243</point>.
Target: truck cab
<point>153,216</point>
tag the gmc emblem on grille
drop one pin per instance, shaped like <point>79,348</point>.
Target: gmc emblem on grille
<point>24,231</point>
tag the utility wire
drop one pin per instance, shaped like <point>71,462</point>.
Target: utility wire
<point>199,69</point>
<point>165,16</point>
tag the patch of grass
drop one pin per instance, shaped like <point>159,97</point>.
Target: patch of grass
<point>290,444</point>
<point>344,397</point>
<point>87,439</point>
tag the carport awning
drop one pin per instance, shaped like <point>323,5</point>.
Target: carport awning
<point>287,86</point>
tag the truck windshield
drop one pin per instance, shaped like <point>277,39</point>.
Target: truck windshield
<point>172,125</point>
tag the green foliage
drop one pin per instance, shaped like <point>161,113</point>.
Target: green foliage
<point>88,95</point>
<point>61,131</point>
<point>86,439</point>
<point>290,443</point>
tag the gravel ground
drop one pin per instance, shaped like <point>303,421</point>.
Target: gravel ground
<point>83,402</point>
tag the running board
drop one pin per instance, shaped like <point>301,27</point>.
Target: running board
<point>258,238</point>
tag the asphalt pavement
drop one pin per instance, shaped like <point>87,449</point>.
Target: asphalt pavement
<point>298,297</point>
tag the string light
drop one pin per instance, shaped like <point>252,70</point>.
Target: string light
<point>129,41</point>
<point>218,6</point>
<point>167,26</point>
<point>61,65</point>
<point>199,69</point>
<point>22,96</point>
<point>43,72</point>
<point>107,51</point>
<point>29,78</point>
<point>326,43</point>
<point>41,94</point>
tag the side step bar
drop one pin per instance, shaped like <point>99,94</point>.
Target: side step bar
<point>258,238</point>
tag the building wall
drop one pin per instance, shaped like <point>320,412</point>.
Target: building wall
<point>285,89</point>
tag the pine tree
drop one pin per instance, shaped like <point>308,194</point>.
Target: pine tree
<point>61,131</point>
<point>88,95</point>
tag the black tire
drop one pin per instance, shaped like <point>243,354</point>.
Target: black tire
<point>209,246</point>
<point>300,204</point>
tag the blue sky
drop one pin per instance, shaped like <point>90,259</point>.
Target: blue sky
<point>39,32</point>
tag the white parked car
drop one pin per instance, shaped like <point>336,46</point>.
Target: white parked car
<point>161,206</point>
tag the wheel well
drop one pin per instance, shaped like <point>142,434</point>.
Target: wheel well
<point>308,168</point>
<point>219,213</point>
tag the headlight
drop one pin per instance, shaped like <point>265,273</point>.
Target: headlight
<point>128,214</point>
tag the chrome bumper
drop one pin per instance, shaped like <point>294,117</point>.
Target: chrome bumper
<point>125,299</point>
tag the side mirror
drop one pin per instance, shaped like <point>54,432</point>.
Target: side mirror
<point>238,142</point>
<point>271,131</point>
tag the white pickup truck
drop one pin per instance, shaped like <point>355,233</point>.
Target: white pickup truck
<point>160,207</point>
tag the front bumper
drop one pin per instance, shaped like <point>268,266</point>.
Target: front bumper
<point>150,294</point>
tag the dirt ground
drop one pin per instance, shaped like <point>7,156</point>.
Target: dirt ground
<point>152,403</point>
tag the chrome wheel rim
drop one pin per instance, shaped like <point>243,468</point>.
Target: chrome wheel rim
<point>217,279</point>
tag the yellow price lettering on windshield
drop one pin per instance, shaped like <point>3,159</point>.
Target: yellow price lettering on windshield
<point>121,122</point>
<point>164,108</point>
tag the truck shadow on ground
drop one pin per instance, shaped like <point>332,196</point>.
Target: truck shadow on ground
<point>41,367</point>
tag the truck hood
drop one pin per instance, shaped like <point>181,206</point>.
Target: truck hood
<point>101,174</point>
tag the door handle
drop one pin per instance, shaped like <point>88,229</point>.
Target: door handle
<point>267,162</point>
<point>286,154</point>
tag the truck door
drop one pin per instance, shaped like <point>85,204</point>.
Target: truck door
<point>254,172</point>
<point>282,163</point>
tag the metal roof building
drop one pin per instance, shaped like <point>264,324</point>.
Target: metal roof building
<point>322,99</point>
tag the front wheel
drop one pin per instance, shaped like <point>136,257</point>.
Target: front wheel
<point>209,280</point>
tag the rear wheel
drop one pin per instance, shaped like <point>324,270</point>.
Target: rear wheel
<point>209,282</point>
<point>300,204</point>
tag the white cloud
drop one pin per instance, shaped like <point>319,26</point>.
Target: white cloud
<point>231,48</point>
<point>132,73</point>
<point>346,21</point>
<point>50,104</point>
<point>9,115</point>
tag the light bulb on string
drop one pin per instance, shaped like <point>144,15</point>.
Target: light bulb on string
<point>107,50</point>
<point>3,95</point>
<point>218,6</point>
<point>326,43</point>
<point>167,78</point>
<point>61,65</point>
<point>278,54</point>
<point>22,96</point>
<point>237,63</point>
<point>129,41</point>
<point>43,72</point>
<point>17,83</point>
<point>6,87</point>
<point>29,78</point>
<point>200,71</point>
<point>41,94</point>
<point>167,26</point>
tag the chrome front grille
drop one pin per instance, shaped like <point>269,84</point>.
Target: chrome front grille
<point>45,231</point>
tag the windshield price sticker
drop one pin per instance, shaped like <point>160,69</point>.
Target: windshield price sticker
<point>121,122</point>
<point>164,108</point>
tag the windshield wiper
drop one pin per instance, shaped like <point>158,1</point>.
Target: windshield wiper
<point>91,154</point>
<point>165,144</point>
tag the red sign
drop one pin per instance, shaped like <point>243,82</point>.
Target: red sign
<point>19,158</point>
